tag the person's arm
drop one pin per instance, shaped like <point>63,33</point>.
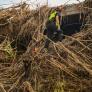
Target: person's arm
<point>57,22</point>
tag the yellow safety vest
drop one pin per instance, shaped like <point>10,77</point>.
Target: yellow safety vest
<point>52,16</point>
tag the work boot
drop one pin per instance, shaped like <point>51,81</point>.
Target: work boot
<point>60,35</point>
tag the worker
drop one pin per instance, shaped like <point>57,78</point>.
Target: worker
<point>53,26</point>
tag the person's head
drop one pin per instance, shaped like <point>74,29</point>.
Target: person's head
<point>59,8</point>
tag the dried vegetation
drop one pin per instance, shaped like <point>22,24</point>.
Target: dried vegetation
<point>66,67</point>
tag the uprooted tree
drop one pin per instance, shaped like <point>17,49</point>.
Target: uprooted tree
<point>66,67</point>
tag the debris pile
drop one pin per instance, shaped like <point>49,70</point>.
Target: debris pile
<point>65,67</point>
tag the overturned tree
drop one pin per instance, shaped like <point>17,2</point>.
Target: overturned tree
<point>65,67</point>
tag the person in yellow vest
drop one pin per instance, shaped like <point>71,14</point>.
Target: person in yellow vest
<point>54,26</point>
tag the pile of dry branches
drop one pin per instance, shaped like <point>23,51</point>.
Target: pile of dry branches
<point>65,67</point>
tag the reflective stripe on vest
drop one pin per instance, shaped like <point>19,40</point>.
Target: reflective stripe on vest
<point>52,15</point>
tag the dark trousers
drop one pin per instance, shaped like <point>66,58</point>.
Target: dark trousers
<point>52,34</point>
<point>51,29</point>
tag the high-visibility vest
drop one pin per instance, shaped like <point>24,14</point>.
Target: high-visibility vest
<point>52,16</point>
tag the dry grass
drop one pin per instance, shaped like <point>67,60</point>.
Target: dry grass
<point>66,67</point>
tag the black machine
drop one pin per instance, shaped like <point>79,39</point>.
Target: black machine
<point>71,24</point>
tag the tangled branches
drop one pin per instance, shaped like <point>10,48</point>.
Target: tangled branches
<point>65,66</point>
